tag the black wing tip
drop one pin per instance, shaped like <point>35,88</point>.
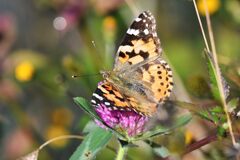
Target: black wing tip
<point>146,13</point>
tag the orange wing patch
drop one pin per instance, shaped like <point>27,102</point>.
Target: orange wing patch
<point>113,95</point>
<point>139,51</point>
<point>159,75</point>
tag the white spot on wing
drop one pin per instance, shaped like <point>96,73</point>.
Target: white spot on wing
<point>138,19</point>
<point>97,96</point>
<point>132,31</point>
<point>238,114</point>
<point>146,31</point>
<point>93,101</point>
<point>125,48</point>
<point>162,61</point>
<point>107,103</point>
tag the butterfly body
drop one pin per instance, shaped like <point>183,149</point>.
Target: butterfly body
<point>140,79</point>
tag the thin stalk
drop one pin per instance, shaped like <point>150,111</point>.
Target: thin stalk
<point>60,138</point>
<point>215,61</point>
<point>121,152</point>
<point>201,26</point>
<point>132,7</point>
<point>200,143</point>
<point>219,80</point>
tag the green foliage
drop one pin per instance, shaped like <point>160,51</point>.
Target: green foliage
<point>232,104</point>
<point>159,130</point>
<point>212,76</point>
<point>213,114</point>
<point>92,144</point>
<point>161,151</point>
<point>84,104</point>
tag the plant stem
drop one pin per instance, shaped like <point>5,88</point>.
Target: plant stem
<point>132,7</point>
<point>200,143</point>
<point>201,26</point>
<point>219,79</point>
<point>60,138</point>
<point>121,152</point>
<point>215,61</point>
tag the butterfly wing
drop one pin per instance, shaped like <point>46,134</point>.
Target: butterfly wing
<point>139,44</point>
<point>149,78</point>
<point>111,97</point>
<point>155,78</point>
<point>146,87</point>
<point>146,79</point>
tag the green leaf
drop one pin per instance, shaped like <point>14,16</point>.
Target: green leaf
<point>89,127</point>
<point>221,131</point>
<point>232,105</point>
<point>92,144</point>
<point>181,121</point>
<point>213,114</point>
<point>195,109</point>
<point>217,109</point>
<point>213,78</point>
<point>161,151</point>
<point>83,103</point>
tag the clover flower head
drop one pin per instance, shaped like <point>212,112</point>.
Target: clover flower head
<point>128,123</point>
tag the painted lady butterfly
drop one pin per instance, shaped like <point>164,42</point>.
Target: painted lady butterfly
<point>140,79</point>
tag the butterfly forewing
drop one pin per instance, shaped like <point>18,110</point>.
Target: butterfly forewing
<point>140,42</point>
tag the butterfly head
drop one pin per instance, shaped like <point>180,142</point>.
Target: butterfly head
<point>110,76</point>
<point>105,74</point>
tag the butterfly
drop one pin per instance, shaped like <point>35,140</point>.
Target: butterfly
<point>140,80</point>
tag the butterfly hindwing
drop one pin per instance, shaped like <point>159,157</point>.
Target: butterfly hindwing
<point>149,84</point>
<point>158,77</point>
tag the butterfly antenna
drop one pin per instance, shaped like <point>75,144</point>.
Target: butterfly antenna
<point>96,48</point>
<point>86,75</point>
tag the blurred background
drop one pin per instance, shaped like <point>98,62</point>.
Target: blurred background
<point>44,42</point>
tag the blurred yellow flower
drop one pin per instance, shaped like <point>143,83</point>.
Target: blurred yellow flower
<point>188,137</point>
<point>24,71</point>
<point>109,23</point>
<point>213,6</point>
<point>55,131</point>
<point>58,114</point>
